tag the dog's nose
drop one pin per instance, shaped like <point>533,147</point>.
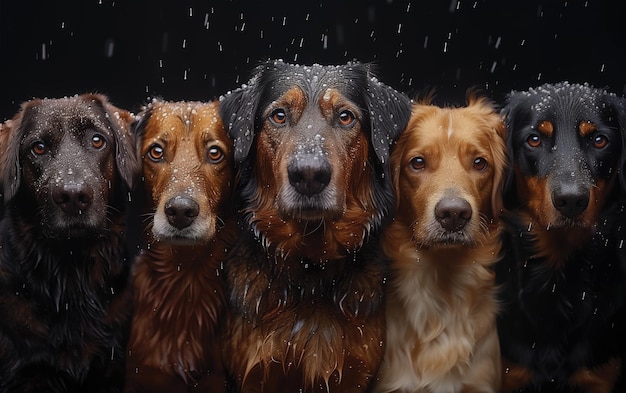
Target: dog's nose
<point>181,211</point>
<point>571,200</point>
<point>453,213</point>
<point>73,198</point>
<point>309,177</point>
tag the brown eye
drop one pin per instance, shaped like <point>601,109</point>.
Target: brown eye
<point>278,116</point>
<point>418,163</point>
<point>97,141</point>
<point>533,140</point>
<point>156,152</point>
<point>346,118</point>
<point>480,164</point>
<point>215,154</point>
<point>38,148</point>
<point>600,141</point>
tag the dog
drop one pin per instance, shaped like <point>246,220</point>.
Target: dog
<point>188,173</point>
<point>306,276</point>
<point>67,167</point>
<point>562,277</point>
<point>447,171</point>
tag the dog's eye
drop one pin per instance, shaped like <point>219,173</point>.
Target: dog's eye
<point>480,164</point>
<point>533,140</point>
<point>97,141</point>
<point>418,163</point>
<point>278,116</point>
<point>38,148</point>
<point>600,141</point>
<point>215,154</point>
<point>346,118</point>
<point>156,152</point>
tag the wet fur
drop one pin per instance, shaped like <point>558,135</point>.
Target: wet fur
<point>306,276</point>
<point>64,298</point>
<point>175,343</point>
<point>563,276</point>
<point>441,298</point>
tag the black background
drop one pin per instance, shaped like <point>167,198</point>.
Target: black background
<point>198,50</point>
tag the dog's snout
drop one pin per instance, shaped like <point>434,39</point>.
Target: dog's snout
<point>181,211</point>
<point>571,200</point>
<point>453,213</point>
<point>309,177</point>
<point>73,198</point>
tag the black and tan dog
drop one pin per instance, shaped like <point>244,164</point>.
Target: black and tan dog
<point>563,277</point>
<point>67,165</point>
<point>188,174</point>
<point>306,277</point>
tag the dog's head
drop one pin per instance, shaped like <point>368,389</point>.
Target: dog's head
<point>312,143</point>
<point>188,169</point>
<point>565,145</point>
<point>448,171</point>
<point>67,161</point>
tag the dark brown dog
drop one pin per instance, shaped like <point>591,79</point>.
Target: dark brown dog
<point>306,276</point>
<point>67,165</point>
<point>188,173</point>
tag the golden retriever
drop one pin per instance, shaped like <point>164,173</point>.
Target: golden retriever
<point>441,303</point>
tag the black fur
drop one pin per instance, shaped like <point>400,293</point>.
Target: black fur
<point>386,113</point>
<point>64,294</point>
<point>283,290</point>
<point>557,320</point>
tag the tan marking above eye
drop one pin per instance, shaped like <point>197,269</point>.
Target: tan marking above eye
<point>586,127</point>
<point>546,127</point>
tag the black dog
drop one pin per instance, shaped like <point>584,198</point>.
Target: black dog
<point>305,278</point>
<point>67,165</point>
<point>563,277</point>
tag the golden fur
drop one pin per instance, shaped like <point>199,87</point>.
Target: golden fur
<point>179,297</point>
<point>441,300</point>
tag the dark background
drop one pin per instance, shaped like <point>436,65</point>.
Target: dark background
<point>198,50</point>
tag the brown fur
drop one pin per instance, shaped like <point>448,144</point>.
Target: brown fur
<point>306,277</point>
<point>179,300</point>
<point>441,306</point>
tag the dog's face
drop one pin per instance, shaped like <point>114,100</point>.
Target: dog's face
<point>67,158</point>
<point>447,169</point>
<point>187,169</point>
<point>313,146</point>
<point>566,146</point>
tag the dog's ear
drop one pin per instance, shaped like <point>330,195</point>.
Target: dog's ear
<point>238,110</point>
<point>389,113</point>
<point>120,121</point>
<point>10,141</point>
<point>619,107</point>
<point>515,112</point>
<point>138,128</point>
<point>502,166</point>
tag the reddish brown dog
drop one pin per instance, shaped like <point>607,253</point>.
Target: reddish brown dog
<point>179,294</point>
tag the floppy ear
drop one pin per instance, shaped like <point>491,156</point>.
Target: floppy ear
<point>138,128</point>
<point>502,167</point>
<point>513,114</point>
<point>11,170</point>
<point>389,113</point>
<point>120,120</point>
<point>238,110</point>
<point>619,106</point>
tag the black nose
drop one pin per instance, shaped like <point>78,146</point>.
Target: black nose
<point>310,176</point>
<point>73,198</point>
<point>571,199</point>
<point>453,213</point>
<point>181,211</point>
